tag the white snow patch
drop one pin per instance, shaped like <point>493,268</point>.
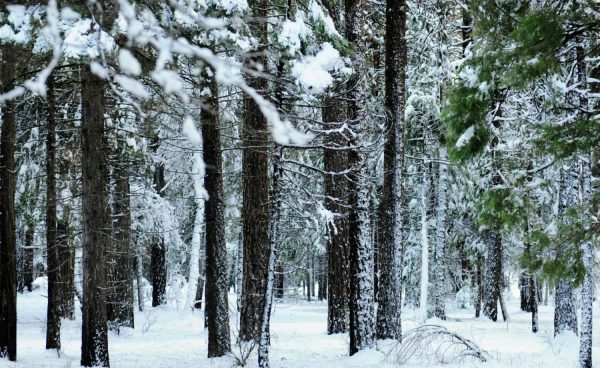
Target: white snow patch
<point>99,70</point>
<point>132,86</point>
<point>465,137</point>
<point>313,73</point>
<point>190,131</point>
<point>128,63</point>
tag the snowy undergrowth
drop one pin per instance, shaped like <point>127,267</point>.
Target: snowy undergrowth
<point>167,337</point>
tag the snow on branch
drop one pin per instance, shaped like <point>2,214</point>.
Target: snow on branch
<point>432,344</point>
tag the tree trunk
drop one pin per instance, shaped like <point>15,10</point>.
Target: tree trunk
<point>424,289</point>
<point>8,250</point>
<point>280,278</point>
<point>255,183</point>
<point>361,302</point>
<point>529,289</point>
<point>26,278</point>
<point>439,262</point>
<point>201,277</point>
<point>276,197</point>
<point>94,342</point>
<point>389,325</point>
<point>493,275</point>
<point>479,285</point>
<point>587,289</point>
<point>565,315</point>
<point>503,306</point>
<point>66,256</point>
<point>158,262</point>
<point>217,307</point>
<point>525,292</point>
<point>53,257</point>
<point>533,306</point>
<point>322,278</point>
<point>139,272</point>
<point>198,173</point>
<point>120,312</point>
<point>587,248</point>
<point>335,161</point>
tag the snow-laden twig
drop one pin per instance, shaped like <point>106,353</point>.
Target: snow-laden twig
<point>429,344</point>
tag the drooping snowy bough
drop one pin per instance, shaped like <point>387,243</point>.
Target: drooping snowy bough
<point>432,344</point>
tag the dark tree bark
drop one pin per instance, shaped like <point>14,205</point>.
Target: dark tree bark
<point>67,141</point>
<point>200,286</point>
<point>493,260</point>
<point>361,302</point>
<point>565,313</point>
<point>276,198</point>
<point>587,248</point>
<point>390,248</point>
<point>493,275</point>
<point>280,281</point>
<point>479,285</point>
<point>53,256</point>
<point>8,250</point>
<point>335,161</point>
<point>525,291</point>
<point>121,259</point>
<point>217,307</point>
<point>158,261</point>
<point>533,305</point>
<point>322,277</point>
<point>255,182</point>
<point>66,269</point>
<point>139,272</point>
<point>96,237</point>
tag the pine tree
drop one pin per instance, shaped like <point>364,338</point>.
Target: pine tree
<point>391,248</point>
<point>8,251</point>
<point>52,248</point>
<point>158,262</point>
<point>121,272</point>
<point>335,160</point>
<point>94,343</point>
<point>362,313</point>
<point>255,211</point>
<point>217,307</point>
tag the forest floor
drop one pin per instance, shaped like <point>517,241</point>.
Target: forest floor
<point>167,337</point>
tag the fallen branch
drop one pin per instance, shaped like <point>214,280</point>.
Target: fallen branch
<point>434,344</point>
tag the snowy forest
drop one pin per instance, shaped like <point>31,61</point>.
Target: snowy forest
<point>299,183</point>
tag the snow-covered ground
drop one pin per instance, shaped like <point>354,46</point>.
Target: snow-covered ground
<point>165,337</point>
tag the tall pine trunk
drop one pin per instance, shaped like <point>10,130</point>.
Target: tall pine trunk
<point>52,249</point>
<point>362,313</point>
<point>217,307</point>
<point>389,324</point>
<point>276,197</point>
<point>335,161</point>
<point>255,183</point>
<point>565,315</point>
<point>158,261</point>
<point>493,274</point>
<point>493,260</point>
<point>96,227</point>
<point>8,249</point>
<point>424,289</point>
<point>587,248</point>
<point>120,311</point>
<point>26,269</point>
<point>439,262</point>
<point>66,255</point>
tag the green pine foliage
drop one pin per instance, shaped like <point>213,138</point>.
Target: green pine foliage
<point>521,49</point>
